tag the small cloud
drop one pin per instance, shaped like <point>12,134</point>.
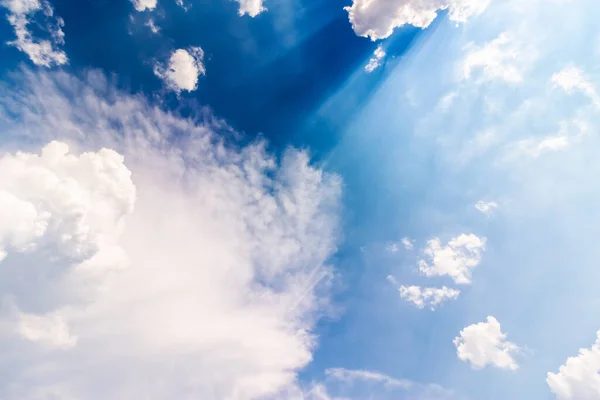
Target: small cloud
<point>182,70</point>
<point>456,259</point>
<point>427,297</point>
<point>143,5</point>
<point>572,79</point>
<point>484,344</point>
<point>408,244</point>
<point>376,60</point>
<point>251,7</point>
<point>45,53</point>
<point>486,208</point>
<point>153,28</point>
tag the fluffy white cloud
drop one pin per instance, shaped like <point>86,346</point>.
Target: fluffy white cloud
<point>72,203</point>
<point>227,251</point>
<point>251,7</point>
<point>497,59</point>
<point>375,61</point>
<point>456,259</point>
<point>44,52</point>
<point>182,70</point>
<point>484,344</point>
<point>428,296</point>
<point>486,207</point>
<point>407,243</point>
<point>377,19</point>
<point>578,379</point>
<point>143,5</point>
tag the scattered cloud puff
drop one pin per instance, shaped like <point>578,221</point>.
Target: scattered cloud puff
<point>578,379</point>
<point>428,297</point>
<point>497,59</point>
<point>152,26</point>
<point>251,7</point>
<point>486,207</point>
<point>45,52</point>
<point>143,5</point>
<point>456,259</point>
<point>407,243</point>
<point>182,70</point>
<point>395,247</point>
<point>223,264</point>
<point>376,60</point>
<point>484,344</point>
<point>377,19</point>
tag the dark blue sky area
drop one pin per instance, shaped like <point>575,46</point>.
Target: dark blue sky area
<point>265,75</point>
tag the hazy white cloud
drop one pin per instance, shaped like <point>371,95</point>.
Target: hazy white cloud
<point>428,296</point>
<point>377,19</point>
<point>376,60</point>
<point>578,378</point>
<point>152,26</point>
<point>486,207</point>
<point>143,5</point>
<point>356,384</point>
<point>393,247</point>
<point>350,376</point>
<point>182,70</point>
<point>456,259</point>
<point>251,7</point>
<point>44,52</point>
<point>208,289</point>
<point>498,59</point>
<point>407,243</point>
<point>572,79</point>
<point>484,344</point>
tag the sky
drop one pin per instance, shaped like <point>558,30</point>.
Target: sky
<point>304,200</point>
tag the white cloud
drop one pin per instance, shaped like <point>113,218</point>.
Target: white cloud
<point>395,247</point>
<point>377,19</point>
<point>484,344</point>
<point>183,69</point>
<point>571,79</point>
<point>578,379</point>
<point>251,7</point>
<point>350,376</point>
<point>375,61</point>
<point>427,297</point>
<point>49,330</point>
<point>497,59</point>
<point>152,26</point>
<point>143,5</point>
<point>227,251</point>
<point>45,52</point>
<point>456,259</point>
<point>486,207</point>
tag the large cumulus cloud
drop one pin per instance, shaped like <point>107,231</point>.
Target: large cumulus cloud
<point>210,284</point>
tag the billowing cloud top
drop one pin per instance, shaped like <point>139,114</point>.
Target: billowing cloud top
<point>377,19</point>
<point>209,286</point>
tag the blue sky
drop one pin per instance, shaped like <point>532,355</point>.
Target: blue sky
<point>385,199</point>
